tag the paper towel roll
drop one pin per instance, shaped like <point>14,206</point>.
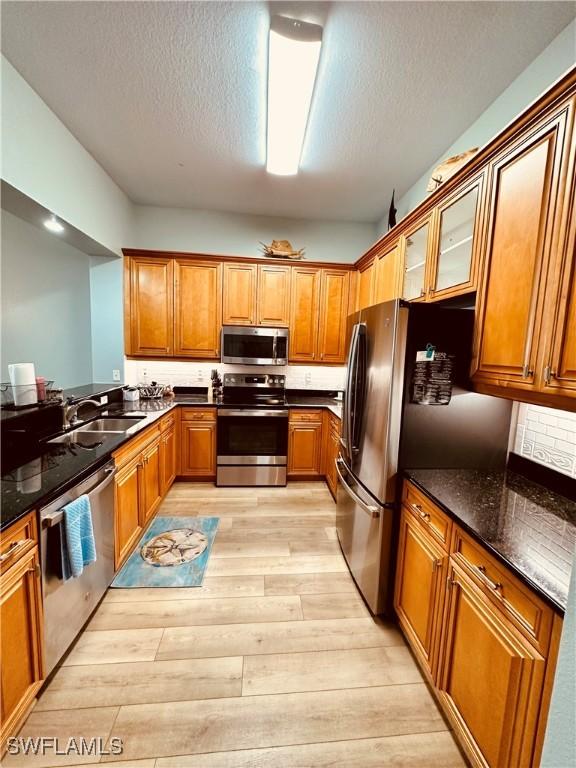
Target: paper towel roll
<point>23,380</point>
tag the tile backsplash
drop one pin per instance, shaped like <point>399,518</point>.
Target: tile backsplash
<point>198,374</point>
<point>547,436</point>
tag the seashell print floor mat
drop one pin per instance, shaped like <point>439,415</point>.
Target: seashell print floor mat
<point>173,552</point>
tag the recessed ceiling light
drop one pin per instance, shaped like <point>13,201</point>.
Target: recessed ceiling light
<point>53,224</point>
<point>293,55</point>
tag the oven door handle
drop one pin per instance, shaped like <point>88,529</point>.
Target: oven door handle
<point>274,413</point>
<point>49,521</point>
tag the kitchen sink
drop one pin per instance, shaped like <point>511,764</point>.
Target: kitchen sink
<point>97,431</point>
<point>110,425</point>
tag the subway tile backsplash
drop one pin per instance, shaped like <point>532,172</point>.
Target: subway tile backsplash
<point>547,436</point>
<point>198,374</point>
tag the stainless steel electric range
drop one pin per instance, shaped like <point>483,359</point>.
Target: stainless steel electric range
<point>252,437</point>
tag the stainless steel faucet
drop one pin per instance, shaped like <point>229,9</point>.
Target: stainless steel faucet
<point>70,412</point>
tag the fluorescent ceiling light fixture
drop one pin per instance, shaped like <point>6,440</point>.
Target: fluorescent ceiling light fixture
<point>293,55</point>
<point>53,224</point>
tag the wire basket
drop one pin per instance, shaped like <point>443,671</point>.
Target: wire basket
<point>152,391</point>
<point>16,396</point>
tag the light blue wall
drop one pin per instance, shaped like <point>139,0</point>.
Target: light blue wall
<point>216,232</point>
<point>551,64</point>
<point>560,742</point>
<point>45,304</point>
<point>106,301</point>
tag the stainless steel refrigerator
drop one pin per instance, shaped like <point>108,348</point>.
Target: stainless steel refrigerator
<point>407,404</point>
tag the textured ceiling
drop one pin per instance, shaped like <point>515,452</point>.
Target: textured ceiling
<point>169,97</point>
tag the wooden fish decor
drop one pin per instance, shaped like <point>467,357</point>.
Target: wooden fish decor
<point>448,168</point>
<point>281,249</point>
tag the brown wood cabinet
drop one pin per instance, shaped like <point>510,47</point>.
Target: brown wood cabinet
<point>524,221</point>
<point>239,294</point>
<point>331,445</point>
<point>197,308</point>
<point>334,299</point>
<point>273,302</point>
<point>21,625</point>
<point>319,308</point>
<point>490,679</point>
<point>419,592</point>
<point>484,639</point>
<point>198,443</point>
<point>168,455</point>
<point>127,517</point>
<point>305,443</point>
<point>304,314</point>
<point>365,285</point>
<point>151,481</point>
<point>389,270</point>
<point>149,296</point>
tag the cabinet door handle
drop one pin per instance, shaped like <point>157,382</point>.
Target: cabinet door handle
<point>527,372</point>
<point>35,569</point>
<point>436,565</point>
<point>548,374</point>
<point>450,582</point>
<point>12,549</point>
<point>495,585</point>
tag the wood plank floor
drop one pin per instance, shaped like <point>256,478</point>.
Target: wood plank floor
<point>274,662</point>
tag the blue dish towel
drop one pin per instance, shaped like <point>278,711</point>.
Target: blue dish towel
<point>80,542</point>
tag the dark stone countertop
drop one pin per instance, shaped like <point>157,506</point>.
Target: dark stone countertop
<point>530,528</point>
<point>49,469</point>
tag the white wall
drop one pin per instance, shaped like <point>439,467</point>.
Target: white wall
<point>560,741</point>
<point>551,64</point>
<point>236,234</point>
<point>42,159</point>
<point>45,304</point>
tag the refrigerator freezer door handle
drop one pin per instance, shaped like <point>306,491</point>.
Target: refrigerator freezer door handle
<point>347,403</point>
<point>368,508</point>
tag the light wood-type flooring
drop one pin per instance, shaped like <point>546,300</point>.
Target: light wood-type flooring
<point>274,662</point>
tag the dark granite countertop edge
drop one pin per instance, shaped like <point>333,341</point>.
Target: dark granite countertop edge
<point>551,601</point>
<point>179,401</point>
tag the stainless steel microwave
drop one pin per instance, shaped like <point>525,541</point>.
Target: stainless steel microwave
<point>246,345</point>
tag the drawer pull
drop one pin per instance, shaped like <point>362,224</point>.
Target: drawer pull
<point>420,512</point>
<point>495,585</point>
<point>12,549</point>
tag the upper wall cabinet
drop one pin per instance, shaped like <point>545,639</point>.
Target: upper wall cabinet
<point>457,245</point>
<point>388,267</point>
<point>197,308</point>
<point>149,294</point>
<point>239,296</point>
<point>365,285</point>
<point>273,295</point>
<point>525,320</point>
<point>416,260</point>
<point>318,312</point>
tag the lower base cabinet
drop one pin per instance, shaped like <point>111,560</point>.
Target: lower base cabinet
<point>128,521</point>
<point>331,447</point>
<point>484,640</point>
<point>198,443</point>
<point>21,629</point>
<point>167,457</point>
<point>490,679</point>
<point>305,443</point>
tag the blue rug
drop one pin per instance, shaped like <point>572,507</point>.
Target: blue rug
<point>173,552</point>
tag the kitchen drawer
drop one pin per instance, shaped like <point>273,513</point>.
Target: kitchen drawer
<point>135,446</point>
<point>198,414</point>
<point>305,415</point>
<point>436,522</point>
<point>167,422</point>
<point>17,539</point>
<point>528,613</point>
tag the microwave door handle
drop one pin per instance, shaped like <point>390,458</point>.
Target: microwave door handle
<point>274,346</point>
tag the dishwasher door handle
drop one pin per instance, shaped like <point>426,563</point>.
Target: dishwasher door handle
<point>49,521</point>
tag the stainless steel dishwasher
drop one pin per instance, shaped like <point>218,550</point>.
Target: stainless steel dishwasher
<point>68,604</point>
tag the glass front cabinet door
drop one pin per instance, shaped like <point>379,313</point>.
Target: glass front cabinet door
<point>454,266</point>
<point>415,263</point>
